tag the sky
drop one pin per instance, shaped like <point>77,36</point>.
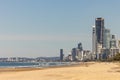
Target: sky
<point>34,28</point>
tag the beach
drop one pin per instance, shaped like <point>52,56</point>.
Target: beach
<point>83,71</point>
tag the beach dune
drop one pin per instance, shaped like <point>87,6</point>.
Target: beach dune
<point>84,71</point>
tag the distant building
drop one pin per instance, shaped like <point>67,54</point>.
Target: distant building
<point>107,38</point>
<point>61,55</point>
<point>74,54</point>
<point>87,55</point>
<point>105,54</point>
<point>105,49</point>
<point>99,24</point>
<point>69,57</point>
<point>113,52</point>
<point>113,47</point>
<point>94,43</point>
<point>119,44</point>
<point>78,54</point>
<point>99,47</point>
<point>104,45</point>
<point>80,46</point>
<point>99,27</point>
<point>113,42</point>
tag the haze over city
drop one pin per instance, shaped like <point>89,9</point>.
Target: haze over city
<point>33,28</point>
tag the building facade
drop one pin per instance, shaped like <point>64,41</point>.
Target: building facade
<point>94,43</point>
<point>99,24</point>
<point>99,27</point>
<point>61,55</point>
<point>107,38</point>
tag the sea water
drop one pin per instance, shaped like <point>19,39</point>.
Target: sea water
<point>17,64</point>
<point>32,64</point>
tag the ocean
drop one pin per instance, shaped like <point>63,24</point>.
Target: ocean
<point>32,64</point>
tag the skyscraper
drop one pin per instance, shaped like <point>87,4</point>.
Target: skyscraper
<point>93,42</point>
<point>74,53</point>
<point>61,55</point>
<point>113,47</point>
<point>107,38</point>
<point>113,42</point>
<point>99,24</point>
<point>102,44</point>
<point>105,51</point>
<point>80,46</point>
<point>99,27</point>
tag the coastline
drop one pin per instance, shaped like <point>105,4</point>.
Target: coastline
<point>82,71</point>
<point>19,69</point>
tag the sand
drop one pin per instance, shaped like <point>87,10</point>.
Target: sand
<point>85,71</point>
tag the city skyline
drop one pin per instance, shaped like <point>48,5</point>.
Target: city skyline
<point>40,28</point>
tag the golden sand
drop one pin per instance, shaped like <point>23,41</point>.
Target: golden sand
<point>85,71</point>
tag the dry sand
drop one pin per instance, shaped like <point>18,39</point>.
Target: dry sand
<point>85,71</point>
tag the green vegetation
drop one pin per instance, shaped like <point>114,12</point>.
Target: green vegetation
<point>117,57</point>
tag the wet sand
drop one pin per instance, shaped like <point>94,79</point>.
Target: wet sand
<point>84,71</point>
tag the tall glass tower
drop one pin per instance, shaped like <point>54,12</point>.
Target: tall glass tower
<point>61,55</point>
<point>107,38</point>
<point>99,27</point>
<point>80,46</point>
<point>99,24</point>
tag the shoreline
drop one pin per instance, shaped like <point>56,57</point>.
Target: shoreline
<point>82,71</point>
<point>20,69</point>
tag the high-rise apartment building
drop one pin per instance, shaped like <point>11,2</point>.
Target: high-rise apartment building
<point>103,44</point>
<point>77,53</point>
<point>113,42</point>
<point>94,43</point>
<point>61,55</point>
<point>80,46</point>
<point>74,54</point>
<point>107,38</point>
<point>113,47</point>
<point>99,25</point>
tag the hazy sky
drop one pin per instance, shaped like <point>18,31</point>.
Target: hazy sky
<point>34,28</point>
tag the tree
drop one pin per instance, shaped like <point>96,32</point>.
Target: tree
<point>117,57</point>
